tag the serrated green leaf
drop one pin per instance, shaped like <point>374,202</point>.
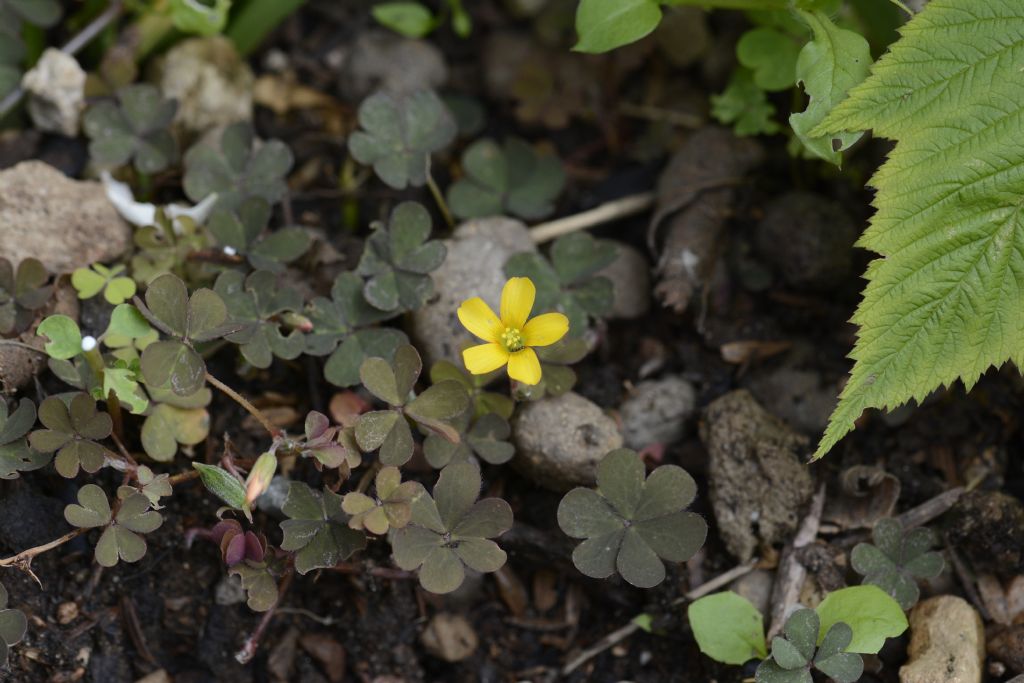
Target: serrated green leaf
<point>943,301</point>
<point>728,628</point>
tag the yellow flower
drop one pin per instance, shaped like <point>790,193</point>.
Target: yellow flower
<point>510,338</point>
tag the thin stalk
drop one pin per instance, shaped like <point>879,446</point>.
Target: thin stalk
<point>256,20</point>
<point>23,560</point>
<point>252,643</point>
<point>95,361</point>
<point>274,432</point>
<point>439,199</point>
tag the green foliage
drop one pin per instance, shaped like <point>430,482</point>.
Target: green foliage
<point>728,628</point>
<point>483,401</point>
<point>257,305</point>
<point>153,486</point>
<point>317,529</point>
<point>745,106</point>
<point>487,438</point>
<point>202,17</point>
<point>13,625</point>
<point>411,19</point>
<point>604,25</point>
<point>771,57</point>
<point>174,364</point>
<point>399,133</point>
<point>509,179</point>
<point>258,583</point>
<point>631,524</point>
<point>398,258</point>
<point>943,301</point>
<point>829,65</point>
<point>73,429</point>
<point>557,377</point>
<point>242,173</point>
<point>567,282</point>
<point>224,485</point>
<point>13,15</point>
<point>451,530</point>
<point>15,454</point>
<point>391,509</point>
<point>135,129</point>
<point>321,443</point>
<point>175,420</point>
<point>794,655</point>
<point>116,288</point>
<point>873,616</point>
<point>388,430</point>
<point>22,293</point>
<point>121,539</point>
<point>241,232</point>
<point>65,339</point>
<point>164,248</point>
<point>897,559</point>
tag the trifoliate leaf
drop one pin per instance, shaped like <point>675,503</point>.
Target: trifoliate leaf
<point>317,528</point>
<point>72,430</point>
<point>745,106</point>
<point>135,129</point>
<point>943,301</point>
<point>896,560</point>
<point>15,454</point>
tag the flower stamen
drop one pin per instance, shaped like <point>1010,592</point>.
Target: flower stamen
<point>512,339</point>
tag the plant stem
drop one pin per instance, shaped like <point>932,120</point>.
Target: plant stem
<point>257,19</point>
<point>274,432</point>
<point>605,213</point>
<point>23,560</point>
<point>252,643</point>
<point>439,198</point>
<point>22,345</point>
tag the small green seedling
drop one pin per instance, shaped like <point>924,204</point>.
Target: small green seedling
<point>258,305</point>
<point>153,486</point>
<point>568,282</point>
<point>322,443</point>
<point>174,363</point>
<point>116,288</point>
<point>388,430</point>
<point>398,258</point>
<point>399,133</point>
<point>121,539</point>
<point>135,129</point>
<point>794,655</point>
<point>22,293</point>
<point>391,509</point>
<point>13,625</point>
<point>239,171</point>
<point>74,428</point>
<point>506,179</point>
<point>15,454</point>
<point>487,437</point>
<point>897,559</point>
<point>317,529</point>
<point>451,530</point>
<point>745,106</point>
<point>632,522</point>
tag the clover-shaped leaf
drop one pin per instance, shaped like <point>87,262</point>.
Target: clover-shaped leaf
<point>41,13</point>
<point>334,319</point>
<point>506,179</point>
<point>259,584</point>
<point>388,430</point>
<point>240,170</point>
<point>897,559</point>
<point>13,626</point>
<point>796,653</point>
<point>451,530</point>
<point>342,367</point>
<point>258,305</point>
<point>22,292</point>
<point>391,509</point>
<point>483,402</point>
<point>72,430</point>
<point>122,381</point>
<point>154,486</point>
<point>567,282</point>
<point>177,420</point>
<point>317,529</point>
<point>322,443</point>
<point>122,540</point>
<point>116,288</point>
<point>241,231</point>
<point>631,525</point>
<point>398,258</point>
<point>15,454</point>
<point>164,247</point>
<point>399,133</point>
<point>65,339</point>
<point>134,129</point>
<point>487,438</point>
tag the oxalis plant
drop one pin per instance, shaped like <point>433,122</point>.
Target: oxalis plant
<point>942,301</point>
<point>212,289</point>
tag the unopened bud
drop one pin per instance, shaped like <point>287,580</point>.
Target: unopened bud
<point>88,343</point>
<point>259,477</point>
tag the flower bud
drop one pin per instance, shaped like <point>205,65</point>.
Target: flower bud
<point>259,477</point>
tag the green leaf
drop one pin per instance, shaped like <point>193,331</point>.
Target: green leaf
<point>771,56</point>
<point>200,16</point>
<point>134,129</point>
<point>745,106</point>
<point>126,322</point>
<point>173,365</point>
<point>728,628</point>
<point>168,425</point>
<point>92,510</point>
<point>604,25</point>
<point>873,616</point>
<point>828,66</point>
<point>317,528</point>
<point>64,335</point>
<point>943,300</point>
<point>223,484</point>
<point>897,560</point>
<point>122,382</point>
<point>411,19</point>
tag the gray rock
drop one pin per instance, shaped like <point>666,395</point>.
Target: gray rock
<point>559,441</point>
<point>381,60</point>
<point>758,483</point>
<point>56,88</point>
<point>631,275</point>
<point>212,84</point>
<point>657,411</point>
<point>800,397</point>
<point>64,223</point>
<point>475,266</point>
<point>756,586</point>
<point>272,500</point>
<point>947,643</point>
<point>808,238</point>
<point>229,591</point>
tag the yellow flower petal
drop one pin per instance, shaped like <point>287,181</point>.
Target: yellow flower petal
<point>523,366</point>
<point>517,301</point>
<point>485,358</point>
<point>477,317</point>
<point>545,329</point>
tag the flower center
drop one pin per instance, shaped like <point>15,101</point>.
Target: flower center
<point>512,338</point>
